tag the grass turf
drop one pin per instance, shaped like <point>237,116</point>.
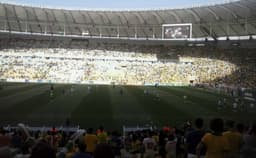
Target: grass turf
<point>104,105</point>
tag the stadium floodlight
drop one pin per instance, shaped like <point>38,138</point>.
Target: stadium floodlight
<point>85,33</point>
<point>244,37</point>
<point>200,44</point>
<point>236,44</point>
<point>210,39</point>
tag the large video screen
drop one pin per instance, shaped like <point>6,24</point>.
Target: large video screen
<point>177,31</point>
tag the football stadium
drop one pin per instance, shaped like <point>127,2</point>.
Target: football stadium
<point>106,83</point>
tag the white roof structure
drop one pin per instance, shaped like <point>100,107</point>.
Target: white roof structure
<point>236,18</point>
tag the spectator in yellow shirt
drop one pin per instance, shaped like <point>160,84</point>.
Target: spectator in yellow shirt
<point>234,138</point>
<point>90,140</point>
<point>216,144</point>
<point>102,135</point>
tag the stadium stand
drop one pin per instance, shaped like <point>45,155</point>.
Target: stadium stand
<point>35,32</point>
<point>126,64</point>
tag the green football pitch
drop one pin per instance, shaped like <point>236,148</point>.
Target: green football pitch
<point>32,104</point>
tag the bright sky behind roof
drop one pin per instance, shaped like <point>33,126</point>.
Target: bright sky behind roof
<point>115,4</point>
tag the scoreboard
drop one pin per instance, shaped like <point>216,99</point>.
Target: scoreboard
<point>177,31</point>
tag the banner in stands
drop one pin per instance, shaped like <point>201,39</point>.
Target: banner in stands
<point>177,31</point>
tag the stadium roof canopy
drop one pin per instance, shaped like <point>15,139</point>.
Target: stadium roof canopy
<point>221,20</point>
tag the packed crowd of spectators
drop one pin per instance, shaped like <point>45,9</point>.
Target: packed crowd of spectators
<point>125,64</point>
<point>61,65</point>
<point>232,140</point>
